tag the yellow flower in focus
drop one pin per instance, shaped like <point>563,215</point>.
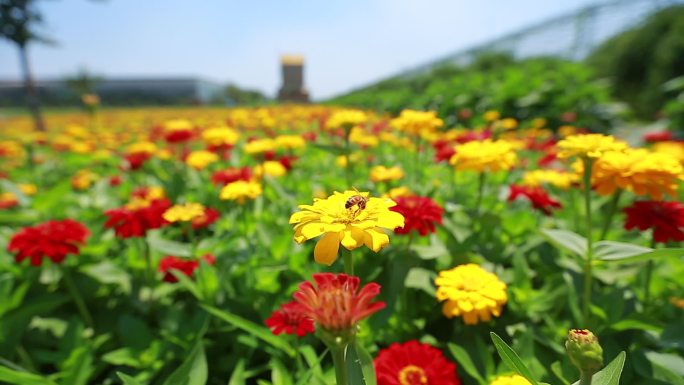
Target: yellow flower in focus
<point>83,179</point>
<point>560,179</point>
<point>184,212</point>
<point>290,142</point>
<point>346,119</point>
<point>28,189</point>
<point>484,155</point>
<point>200,159</point>
<point>271,168</point>
<point>673,149</point>
<point>220,136</point>
<point>510,380</point>
<point>471,292</point>
<point>240,191</point>
<point>385,174</point>
<point>637,170</point>
<point>491,115</point>
<point>589,145</point>
<point>353,226</point>
<point>260,146</point>
<point>417,122</point>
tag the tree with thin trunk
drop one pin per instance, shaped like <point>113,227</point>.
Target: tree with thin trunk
<point>18,19</point>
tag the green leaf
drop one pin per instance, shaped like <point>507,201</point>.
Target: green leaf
<point>617,250</point>
<point>360,368</point>
<point>279,374</point>
<point>511,358</point>
<point>466,363</point>
<point>567,240</point>
<point>78,367</point>
<point>420,278</point>
<point>16,377</point>
<point>168,247</point>
<point>667,367</point>
<point>655,254</point>
<point>610,375</point>
<point>193,371</point>
<point>238,375</point>
<point>634,324</point>
<point>128,380</point>
<point>258,331</point>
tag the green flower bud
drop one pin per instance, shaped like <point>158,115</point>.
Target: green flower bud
<point>584,351</point>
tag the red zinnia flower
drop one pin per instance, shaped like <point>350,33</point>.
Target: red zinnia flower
<point>335,303</point>
<point>291,319</point>
<point>224,177</point>
<point>547,160</point>
<point>414,363</point>
<point>184,265</point>
<point>665,218</point>
<point>52,239</point>
<point>210,216</point>
<point>444,150</point>
<point>136,160</point>
<point>177,136</point>
<point>130,221</point>
<point>8,200</point>
<point>658,136</point>
<point>539,198</point>
<point>420,214</point>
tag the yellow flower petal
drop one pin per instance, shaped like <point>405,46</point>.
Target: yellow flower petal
<point>326,249</point>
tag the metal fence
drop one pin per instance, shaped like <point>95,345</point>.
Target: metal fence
<point>572,36</point>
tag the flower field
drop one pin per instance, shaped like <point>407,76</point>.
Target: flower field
<point>292,245</point>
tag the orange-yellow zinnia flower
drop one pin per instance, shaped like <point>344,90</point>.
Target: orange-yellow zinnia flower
<point>484,155</point>
<point>352,225</point>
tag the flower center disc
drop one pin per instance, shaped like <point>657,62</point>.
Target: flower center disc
<point>412,375</point>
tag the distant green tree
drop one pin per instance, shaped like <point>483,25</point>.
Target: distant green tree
<point>18,21</point>
<point>639,61</point>
<point>83,82</point>
<point>239,96</point>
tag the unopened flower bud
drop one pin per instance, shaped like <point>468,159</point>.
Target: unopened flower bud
<point>584,351</point>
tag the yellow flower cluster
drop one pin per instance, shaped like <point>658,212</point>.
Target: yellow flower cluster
<point>589,145</point>
<point>260,146</point>
<point>339,222</point>
<point>556,178</point>
<point>184,212</point>
<point>470,292</point>
<point>346,119</point>
<point>142,147</point>
<point>271,168</point>
<point>359,136</point>
<point>510,380</point>
<point>200,159</point>
<point>83,179</point>
<point>178,125</point>
<point>484,155</point>
<point>290,142</point>
<point>673,149</point>
<point>417,122</point>
<point>637,170</point>
<point>386,174</point>
<point>240,191</point>
<point>220,136</point>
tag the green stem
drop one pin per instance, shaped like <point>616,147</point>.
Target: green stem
<point>149,269</point>
<point>647,281</point>
<point>80,304</point>
<point>339,361</point>
<point>573,208</point>
<point>588,278</point>
<point>480,193</point>
<point>585,378</point>
<point>611,213</point>
<point>348,261</point>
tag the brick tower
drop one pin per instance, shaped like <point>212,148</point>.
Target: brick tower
<point>293,89</point>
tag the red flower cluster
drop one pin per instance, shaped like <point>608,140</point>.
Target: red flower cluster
<point>184,265</point>
<point>444,150</point>
<point>290,319</point>
<point>51,239</point>
<point>224,177</point>
<point>8,201</point>
<point>136,218</point>
<point>178,136</point>
<point>335,302</point>
<point>420,214</point>
<point>539,198</point>
<point>665,218</point>
<point>414,363</point>
<point>136,160</point>
<point>658,136</point>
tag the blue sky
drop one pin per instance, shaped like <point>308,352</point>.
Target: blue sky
<point>345,43</point>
